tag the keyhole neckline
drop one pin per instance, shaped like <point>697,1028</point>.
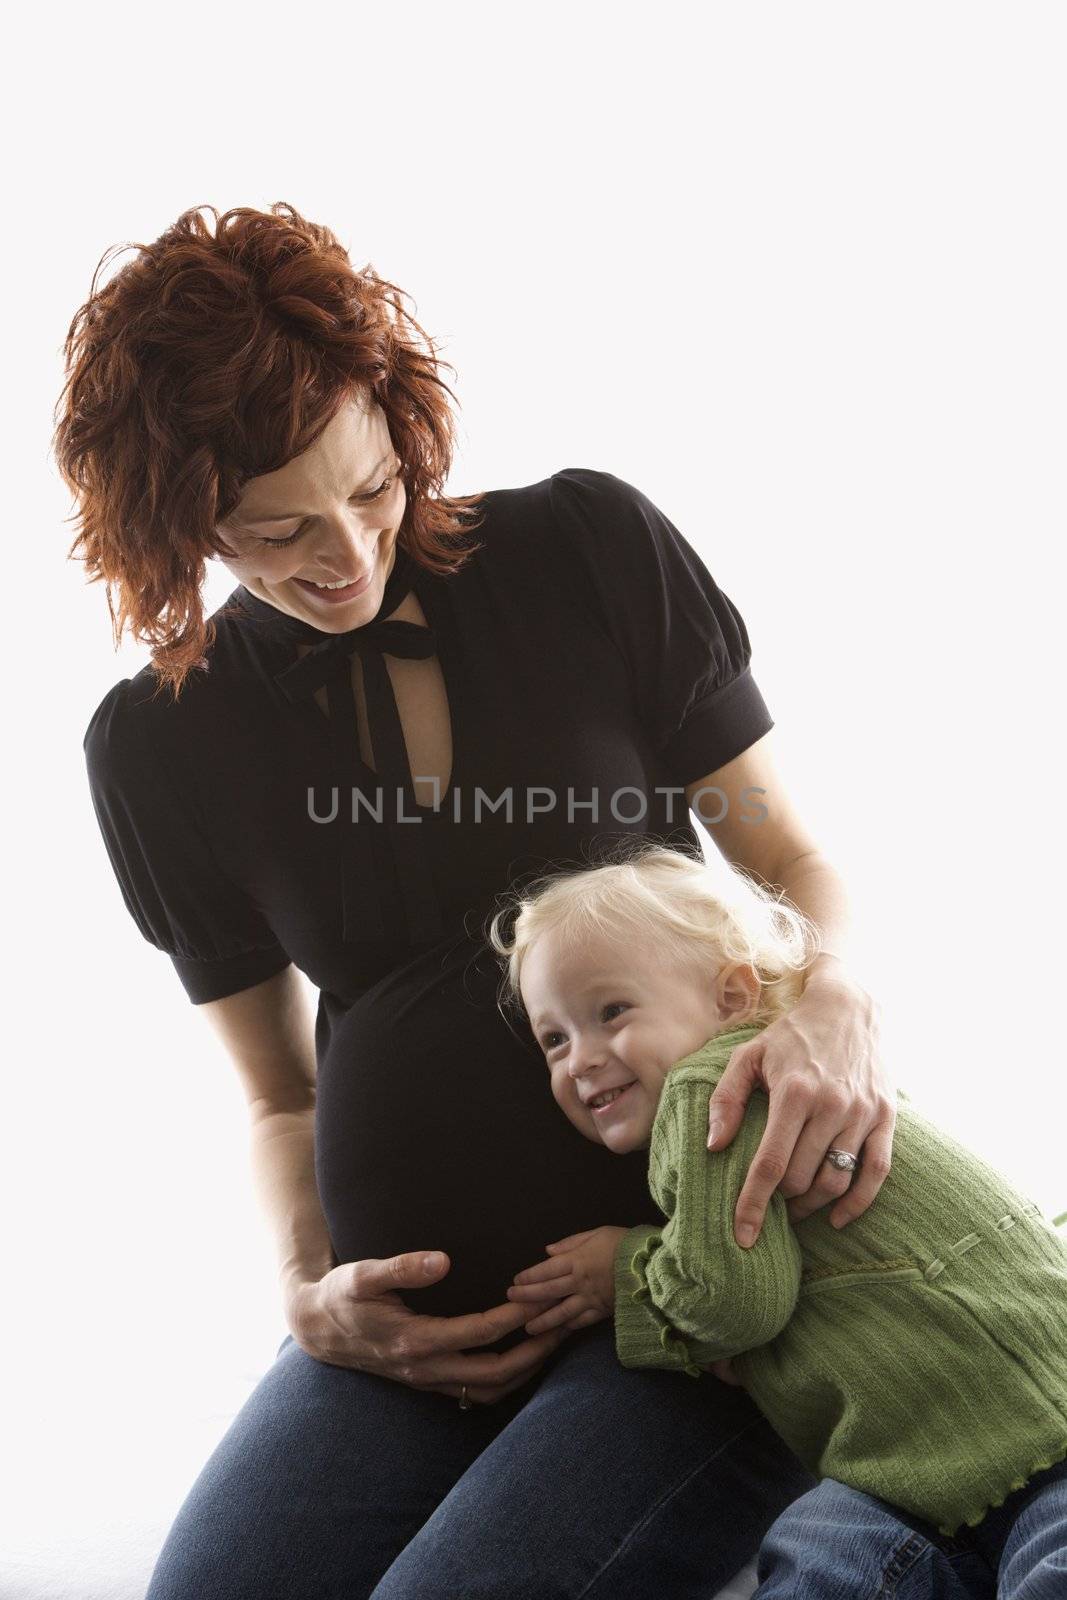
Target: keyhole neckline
<point>411,578</point>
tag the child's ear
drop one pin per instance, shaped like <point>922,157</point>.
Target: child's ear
<point>739,990</point>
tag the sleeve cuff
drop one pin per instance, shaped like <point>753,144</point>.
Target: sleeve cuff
<point>643,1336</point>
<point>218,978</point>
<point>718,728</point>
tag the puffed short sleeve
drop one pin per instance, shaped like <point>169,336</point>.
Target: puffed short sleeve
<point>684,641</point>
<point>174,887</point>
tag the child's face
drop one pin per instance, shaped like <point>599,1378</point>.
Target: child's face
<point>614,1015</point>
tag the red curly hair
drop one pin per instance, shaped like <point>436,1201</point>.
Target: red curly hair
<point>212,358</point>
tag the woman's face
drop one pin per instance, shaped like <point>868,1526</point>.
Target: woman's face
<point>330,515</point>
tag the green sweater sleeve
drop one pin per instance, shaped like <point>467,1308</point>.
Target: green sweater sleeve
<point>686,1294</point>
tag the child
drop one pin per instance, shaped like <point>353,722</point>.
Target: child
<point>915,1361</point>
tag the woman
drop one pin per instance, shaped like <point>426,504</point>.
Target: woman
<point>409,703</point>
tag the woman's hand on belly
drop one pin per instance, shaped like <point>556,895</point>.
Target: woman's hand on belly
<point>354,1317</point>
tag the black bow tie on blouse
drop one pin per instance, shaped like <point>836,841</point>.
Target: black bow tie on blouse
<point>370,874</point>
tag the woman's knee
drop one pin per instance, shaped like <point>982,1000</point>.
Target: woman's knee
<point>320,1481</point>
<point>609,1482</point>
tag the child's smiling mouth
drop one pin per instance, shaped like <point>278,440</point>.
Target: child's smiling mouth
<point>610,1097</point>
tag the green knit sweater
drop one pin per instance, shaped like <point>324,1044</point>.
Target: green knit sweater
<point>919,1354</point>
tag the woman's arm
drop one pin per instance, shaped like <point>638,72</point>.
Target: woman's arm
<point>841,1027</point>
<point>820,1064</point>
<point>268,1033</point>
<point>283,1165</point>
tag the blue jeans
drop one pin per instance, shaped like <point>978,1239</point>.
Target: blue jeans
<point>592,1480</point>
<point>835,1543</point>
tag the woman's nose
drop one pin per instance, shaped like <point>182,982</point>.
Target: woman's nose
<point>350,529</point>
<point>347,554</point>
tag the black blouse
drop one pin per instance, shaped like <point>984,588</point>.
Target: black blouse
<point>590,661</point>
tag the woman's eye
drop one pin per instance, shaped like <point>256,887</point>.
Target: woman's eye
<point>291,538</point>
<point>276,544</point>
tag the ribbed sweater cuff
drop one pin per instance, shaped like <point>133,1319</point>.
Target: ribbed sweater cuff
<point>643,1336</point>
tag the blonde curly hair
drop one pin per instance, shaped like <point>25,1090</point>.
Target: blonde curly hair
<point>699,917</point>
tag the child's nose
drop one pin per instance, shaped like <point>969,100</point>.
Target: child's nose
<point>585,1055</point>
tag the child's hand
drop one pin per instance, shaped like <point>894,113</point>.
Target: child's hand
<point>579,1278</point>
<point>724,1371</point>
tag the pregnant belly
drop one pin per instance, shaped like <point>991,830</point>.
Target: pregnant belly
<point>436,1130</point>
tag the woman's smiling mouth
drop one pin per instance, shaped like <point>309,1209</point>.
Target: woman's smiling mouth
<point>332,596</point>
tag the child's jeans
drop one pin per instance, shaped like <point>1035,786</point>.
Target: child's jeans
<point>835,1543</point>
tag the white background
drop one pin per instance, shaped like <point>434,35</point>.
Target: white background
<point>796,271</point>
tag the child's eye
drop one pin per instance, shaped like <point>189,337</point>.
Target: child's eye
<point>547,1039</point>
<point>291,538</point>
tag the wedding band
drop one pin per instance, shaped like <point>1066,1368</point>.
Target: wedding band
<point>464,1403</point>
<point>842,1160</point>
